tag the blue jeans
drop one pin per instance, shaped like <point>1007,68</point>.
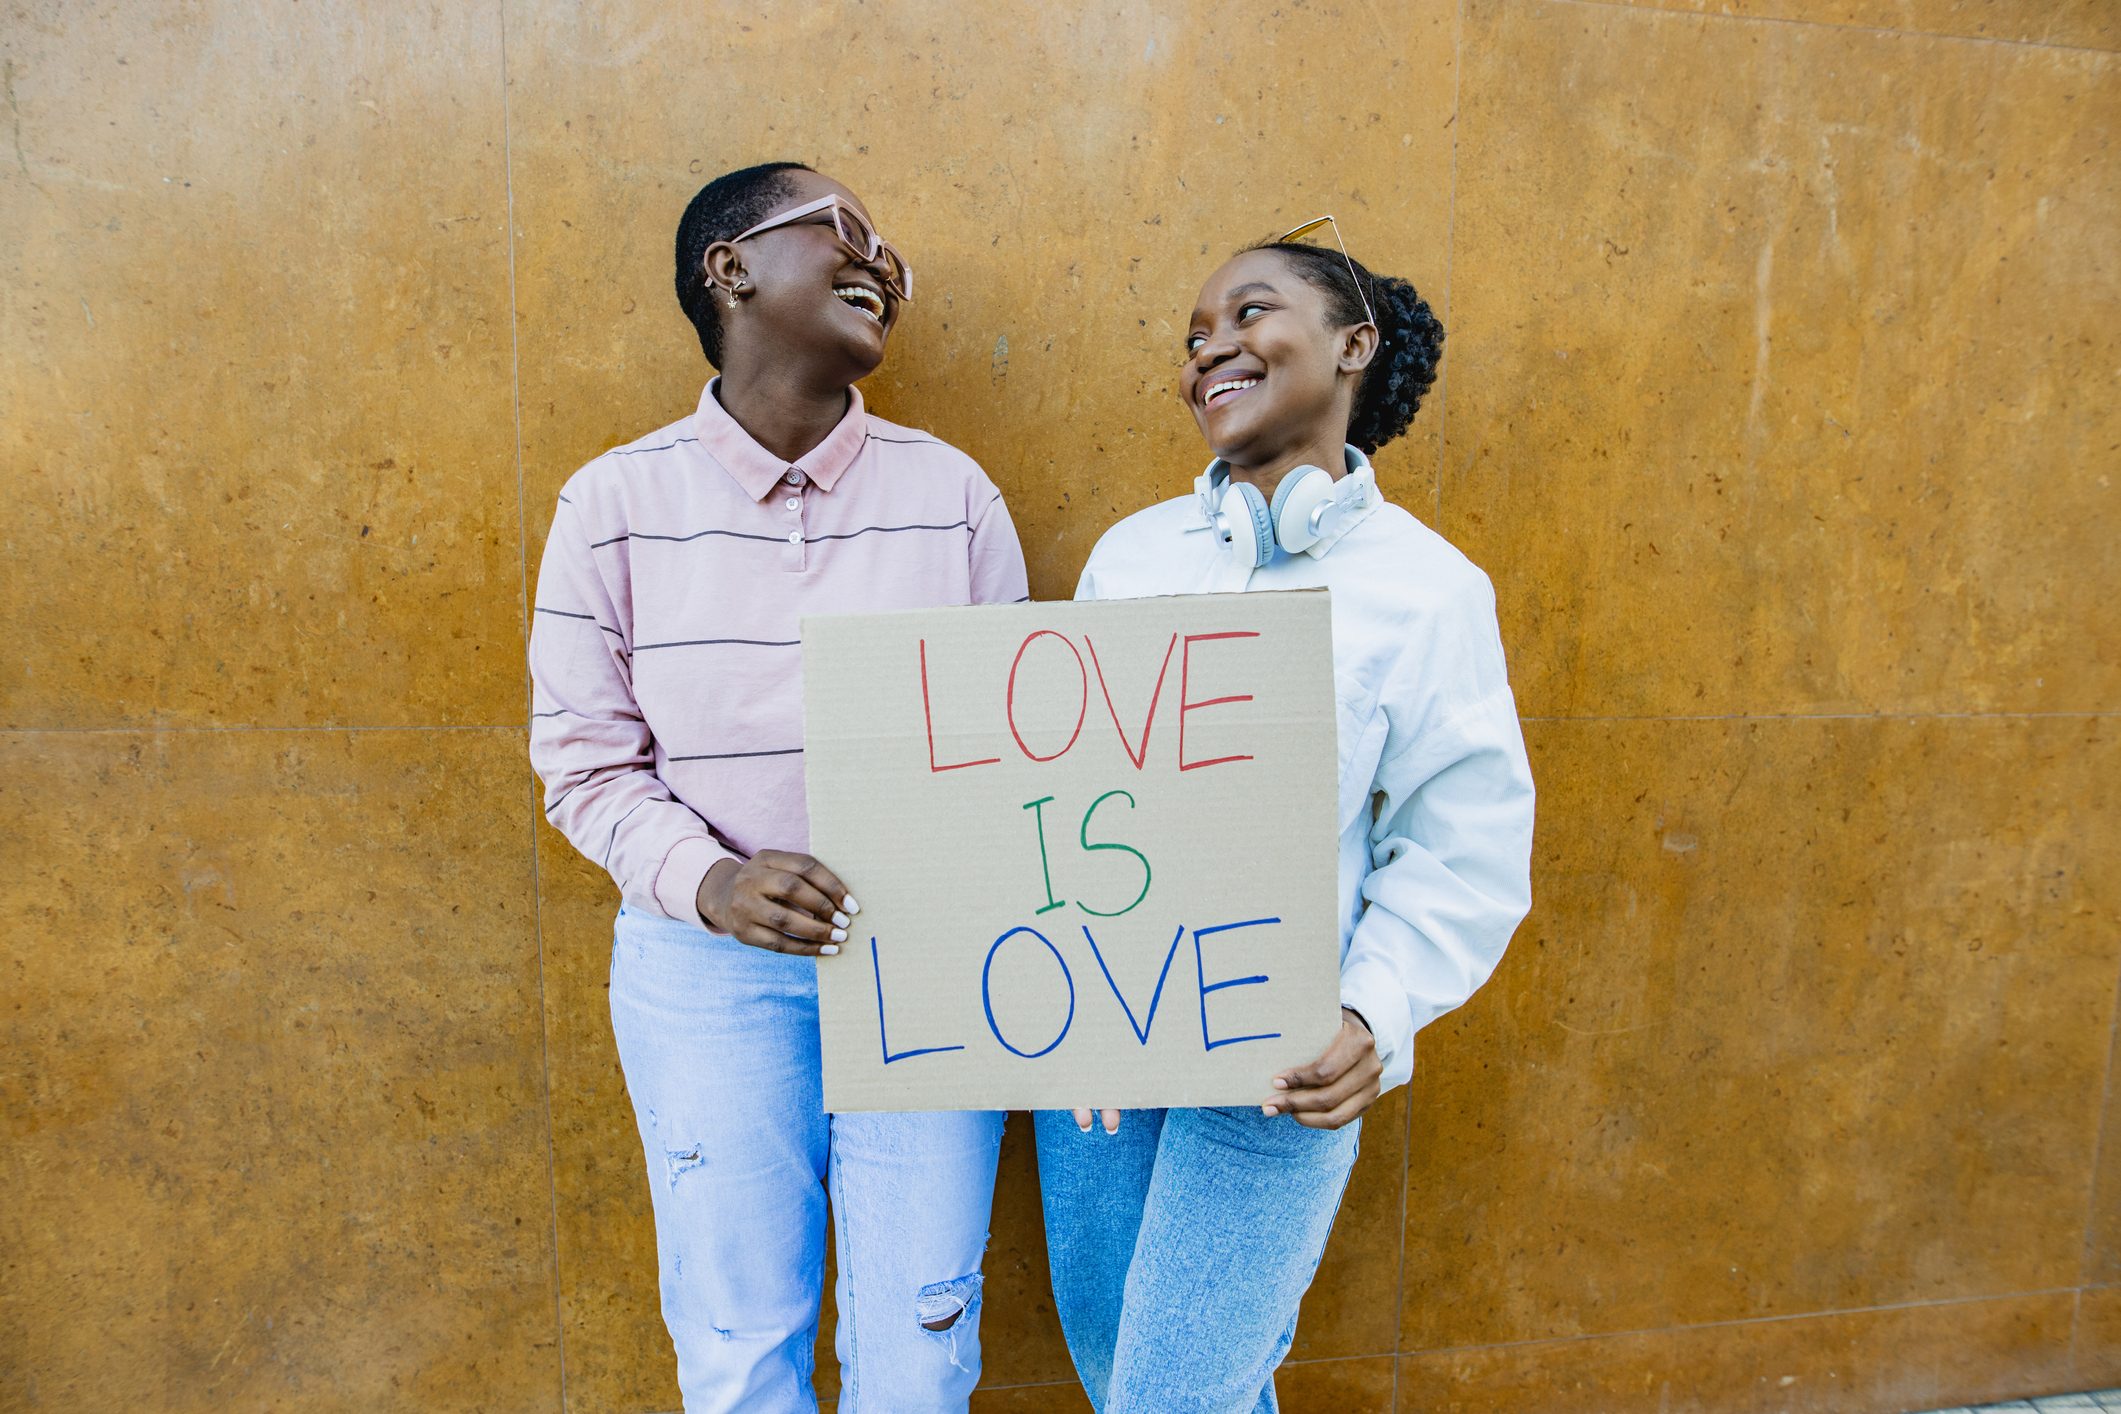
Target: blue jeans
<point>719,1043</point>
<point>1181,1247</point>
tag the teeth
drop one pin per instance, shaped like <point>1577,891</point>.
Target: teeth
<point>1231,385</point>
<point>865,300</point>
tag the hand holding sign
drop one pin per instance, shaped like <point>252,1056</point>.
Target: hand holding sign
<point>1336,1087</point>
<point>778,901</point>
<point>1136,800</point>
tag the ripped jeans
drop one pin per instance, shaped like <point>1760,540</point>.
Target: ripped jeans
<point>719,1044</point>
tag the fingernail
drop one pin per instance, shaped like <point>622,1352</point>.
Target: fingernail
<point>1086,1127</point>
<point>839,920</point>
<point>1266,1109</point>
<point>1280,1084</point>
<point>850,905</point>
<point>839,935</point>
<point>829,950</point>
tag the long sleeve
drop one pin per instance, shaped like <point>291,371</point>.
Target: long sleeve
<point>997,559</point>
<point>1451,839</point>
<point>590,744</point>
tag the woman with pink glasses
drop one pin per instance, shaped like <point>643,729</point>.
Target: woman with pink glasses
<point>667,727</point>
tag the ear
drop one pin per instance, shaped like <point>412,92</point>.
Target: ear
<point>724,266</point>
<point>1357,347</point>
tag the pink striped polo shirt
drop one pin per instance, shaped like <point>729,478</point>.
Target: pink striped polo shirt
<point>666,671</point>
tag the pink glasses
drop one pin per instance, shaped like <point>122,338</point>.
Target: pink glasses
<point>855,233</point>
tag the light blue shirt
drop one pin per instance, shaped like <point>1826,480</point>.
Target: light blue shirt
<point>1435,802</point>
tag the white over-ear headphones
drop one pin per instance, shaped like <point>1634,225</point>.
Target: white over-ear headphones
<point>1309,512</point>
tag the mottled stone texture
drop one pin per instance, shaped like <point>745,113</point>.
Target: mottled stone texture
<point>1843,978</point>
<point>1843,1362</point>
<point>1779,405</point>
<point>1775,349</point>
<point>269,1066</point>
<point>255,396</point>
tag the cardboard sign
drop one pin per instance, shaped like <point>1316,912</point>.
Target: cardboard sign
<point>1094,845</point>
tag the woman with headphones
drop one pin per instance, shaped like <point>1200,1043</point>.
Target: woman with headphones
<point>1182,1240</point>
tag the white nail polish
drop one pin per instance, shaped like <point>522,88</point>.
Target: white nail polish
<point>839,920</point>
<point>850,905</point>
<point>839,935</point>
<point>829,950</point>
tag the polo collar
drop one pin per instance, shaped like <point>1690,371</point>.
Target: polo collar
<point>757,470</point>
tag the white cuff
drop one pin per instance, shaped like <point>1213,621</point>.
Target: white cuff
<point>1370,990</point>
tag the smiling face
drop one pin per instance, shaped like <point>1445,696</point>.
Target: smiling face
<point>1267,376</point>
<point>804,295</point>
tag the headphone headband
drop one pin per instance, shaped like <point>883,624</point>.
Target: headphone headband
<point>1309,513</point>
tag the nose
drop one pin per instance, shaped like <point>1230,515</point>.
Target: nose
<point>877,266</point>
<point>1213,351</point>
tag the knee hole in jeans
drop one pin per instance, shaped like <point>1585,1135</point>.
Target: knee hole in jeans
<point>939,1305</point>
<point>682,1161</point>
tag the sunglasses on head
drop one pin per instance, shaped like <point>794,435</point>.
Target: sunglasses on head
<point>856,235</point>
<point>1309,226</point>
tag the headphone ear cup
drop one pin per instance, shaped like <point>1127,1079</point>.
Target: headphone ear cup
<point>1251,524</point>
<point>1300,493</point>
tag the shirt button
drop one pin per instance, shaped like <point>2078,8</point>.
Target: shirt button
<point>795,537</point>
<point>795,503</point>
<point>794,477</point>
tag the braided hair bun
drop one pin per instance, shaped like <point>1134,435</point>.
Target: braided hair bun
<point>1410,339</point>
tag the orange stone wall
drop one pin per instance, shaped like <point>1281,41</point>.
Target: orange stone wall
<point>1779,404</point>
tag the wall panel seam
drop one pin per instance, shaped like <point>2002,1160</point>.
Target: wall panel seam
<point>2099,1139</point>
<point>172,729</point>
<point>1830,717</point>
<point>515,369</point>
<point>1686,1326</point>
<point>537,886</point>
<point>552,1188</point>
<point>1645,6</point>
<point>1399,1284</point>
<point>1450,260</point>
<point>2076,1328</point>
<point>1443,426</point>
<point>156,728</point>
